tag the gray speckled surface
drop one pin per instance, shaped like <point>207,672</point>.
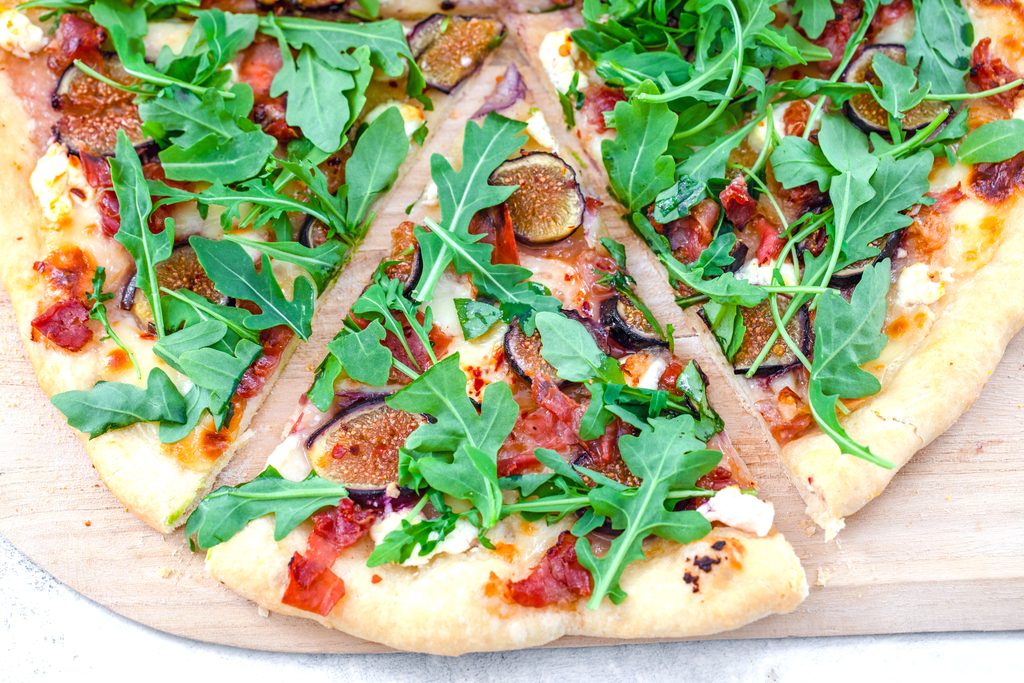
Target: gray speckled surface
<point>51,633</point>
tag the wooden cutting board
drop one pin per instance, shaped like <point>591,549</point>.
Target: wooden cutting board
<point>941,550</point>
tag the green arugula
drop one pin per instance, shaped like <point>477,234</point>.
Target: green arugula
<point>226,511</point>
<point>234,274</point>
<point>113,405</point>
<point>846,336</point>
<point>456,453</point>
<point>665,455</point>
<point>98,311</point>
<point>940,48</point>
<point>993,142</point>
<point>146,247</point>
<point>475,317</point>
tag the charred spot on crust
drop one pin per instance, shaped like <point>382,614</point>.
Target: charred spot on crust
<point>718,545</point>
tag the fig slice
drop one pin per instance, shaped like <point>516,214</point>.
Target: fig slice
<point>523,355</point>
<point>865,112</point>
<point>850,275</point>
<point>450,48</point>
<point>358,446</point>
<point>627,324</point>
<point>181,270</point>
<point>548,205</point>
<point>91,112</point>
<point>313,233</point>
<point>759,327</point>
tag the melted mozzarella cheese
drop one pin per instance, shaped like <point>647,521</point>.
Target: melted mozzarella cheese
<point>289,458</point>
<point>558,276</point>
<point>734,508</point>
<point>538,129</point>
<point>459,540</point>
<point>481,360</point>
<point>171,34</point>
<point>55,176</point>
<point>920,285</point>
<point>411,116</point>
<point>756,274</point>
<point>18,35</point>
<point>448,288</point>
<point>644,368</point>
<point>560,59</point>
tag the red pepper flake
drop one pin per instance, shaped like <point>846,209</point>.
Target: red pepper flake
<point>376,578</point>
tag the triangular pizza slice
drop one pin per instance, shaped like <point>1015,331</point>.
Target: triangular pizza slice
<point>182,187</point>
<point>804,192</point>
<point>500,447</point>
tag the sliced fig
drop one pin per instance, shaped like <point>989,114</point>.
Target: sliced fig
<point>865,112</point>
<point>548,205</point>
<point>760,325</point>
<point>407,269</point>
<point>358,446</point>
<point>850,275</point>
<point>450,48</point>
<point>181,270</point>
<point>91,112</point>
<point>739,256</point>
<point>627,324</point>
<point>313,233</point>
<point>614,469</point>
<point>523,355</point>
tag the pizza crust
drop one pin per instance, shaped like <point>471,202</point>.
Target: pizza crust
<point>453,605</point>
<point>936,383</point>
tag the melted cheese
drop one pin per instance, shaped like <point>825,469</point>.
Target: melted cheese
<point>920,285</point>
<point>459,540</point>
<point>644,368</point>
<point>289,458</point>
<point>561,278</point>
<point>55,176</point>
<point>411,116</point>
<point>734,508</point>
<point>756,274</point>
<point>481,360</point>
<point>538,129</point>
<point>560,58</point>
<point>171,34</point>
<point>18,35</point>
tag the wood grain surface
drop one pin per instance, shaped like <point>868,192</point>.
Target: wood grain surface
<point>941,550</point>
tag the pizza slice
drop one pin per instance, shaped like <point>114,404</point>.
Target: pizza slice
<point>836,202</point>
<point>500,447</point>
<point>183,186</point>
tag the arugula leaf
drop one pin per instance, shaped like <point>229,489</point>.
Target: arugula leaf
<point>147,248</point>
<point>638,168</point>
<point>316,95</point>
<point>571,350</point>
<point>362,355</point>
<point>940,48</point>
<point>113,405</point>
<point>898,93</point>
<point>98,311</point>
<point>797,161</point>
<point>374,163</point>
<point>226,511</point>
<point>665,455</point>
<point>330,40</point>
<point>422,535</point>
<point>464,192</point>
<point>234,274</point>
<point>814,14</point>
<point>726,323</point>
<point>846,336</point>
<point>321,262</point>
<point>676,201</point>
<point>993,142</point>
<point>456,454</point>
<point>475,317</point>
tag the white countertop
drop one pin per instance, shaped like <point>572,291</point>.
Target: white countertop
<point>51,633</point>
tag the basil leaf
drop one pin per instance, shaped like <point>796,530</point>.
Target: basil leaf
<point>112,405</point>
<point>226,511</point>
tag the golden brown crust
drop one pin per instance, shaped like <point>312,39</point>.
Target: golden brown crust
<point>454,604</point>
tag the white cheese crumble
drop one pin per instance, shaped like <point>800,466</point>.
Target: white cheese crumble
<point>55,176</point>
<point>643,369</point>
<point>538,129</point>
<point>920,285</point>
<point>732,507</point>
<point>560,58</point>
<point>756,274</point>
<point>18,35</point>
<point>289,458</point>
<point>459,540</point>
<point>412,116</point>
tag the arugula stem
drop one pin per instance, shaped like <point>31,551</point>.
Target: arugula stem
<point>569,504</point>
<point>92,73</point>
<point>960,97</point>
<point>687,301</point>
